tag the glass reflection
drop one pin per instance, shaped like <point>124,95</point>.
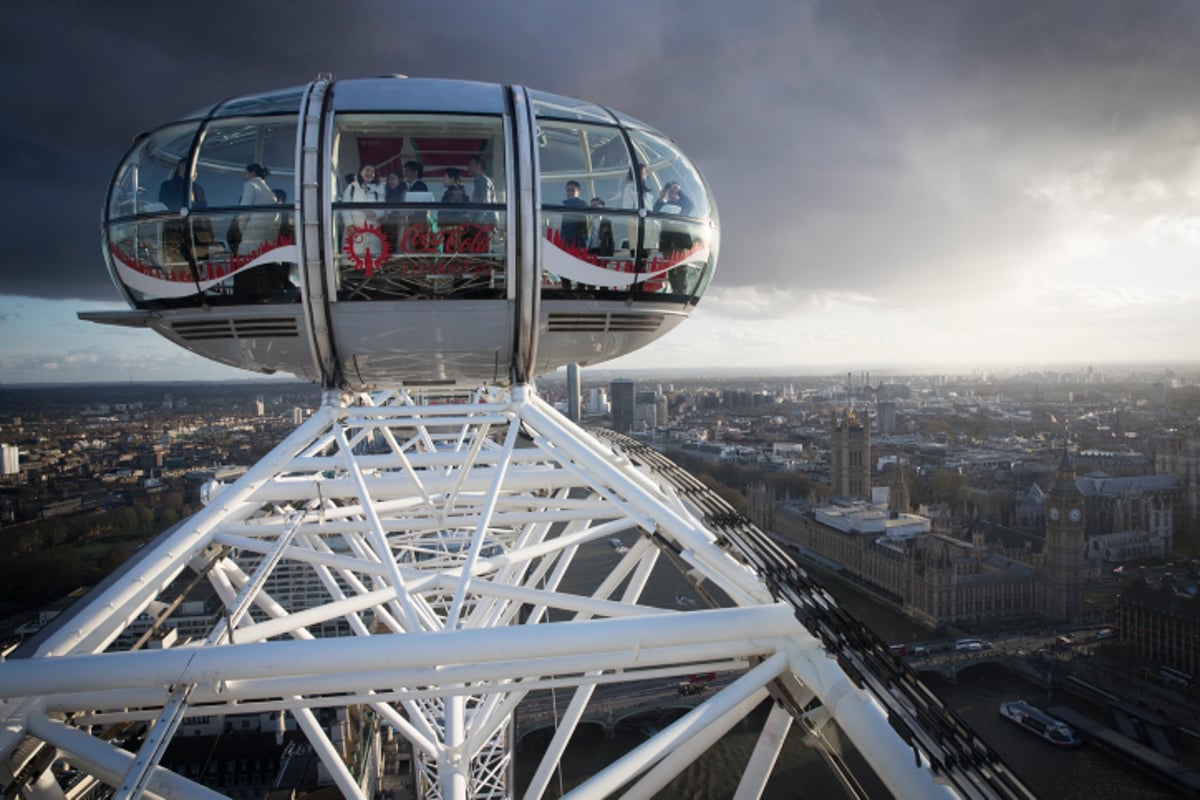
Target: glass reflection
<point>172,262</point>
<point>666,165</point>
<point>596,158</point>
<point>148,169</point>
<point>282,101</point>
<point>403,252</point>
<point>633,122</point>
<point>598,253</point>
<point>559,107</point>
<point>417,159</point>
<point>681,255</point>
<point>228,147</point>
<point>149,258</point>
<point>418,206</point>
<point>232,273</point>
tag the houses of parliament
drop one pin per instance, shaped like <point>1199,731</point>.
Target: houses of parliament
<point>936,577</point>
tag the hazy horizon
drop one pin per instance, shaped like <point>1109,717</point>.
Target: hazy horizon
<point>604,371</point>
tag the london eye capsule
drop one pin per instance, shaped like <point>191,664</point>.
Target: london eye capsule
<point>401,231</point>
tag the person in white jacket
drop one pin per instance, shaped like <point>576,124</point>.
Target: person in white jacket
<point>365,188</point>
<point>259,226</point>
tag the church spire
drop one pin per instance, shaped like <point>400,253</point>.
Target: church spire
<point>1064,478</point>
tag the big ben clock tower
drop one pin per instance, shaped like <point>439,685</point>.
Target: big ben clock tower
<point>1065,546</point>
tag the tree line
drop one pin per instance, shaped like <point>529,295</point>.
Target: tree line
<point>45,559</point>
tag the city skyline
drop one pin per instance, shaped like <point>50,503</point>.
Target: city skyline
<point>900,186</point>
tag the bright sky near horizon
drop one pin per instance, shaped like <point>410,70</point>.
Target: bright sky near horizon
<point>909,182</point>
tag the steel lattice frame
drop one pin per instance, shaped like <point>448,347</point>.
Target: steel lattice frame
<point>444,538</point>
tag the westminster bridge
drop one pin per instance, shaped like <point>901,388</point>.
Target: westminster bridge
<point>1015,649</point>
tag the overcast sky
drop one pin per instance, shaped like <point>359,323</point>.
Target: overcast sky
<point>900,183</point>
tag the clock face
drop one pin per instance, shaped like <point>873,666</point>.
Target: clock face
<point>1054,514</point>
<point>1075,515</point>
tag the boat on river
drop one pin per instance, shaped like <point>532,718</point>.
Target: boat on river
<point>1038,722</point>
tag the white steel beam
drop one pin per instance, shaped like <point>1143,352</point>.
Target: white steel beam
<point>745,629</point>
<point>109,763</point>
<point>108,615</point>
<point>766,752</point>
<point>865,721</point>
<point>744,693</point>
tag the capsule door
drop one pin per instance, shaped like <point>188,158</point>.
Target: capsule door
<point>419,250</point>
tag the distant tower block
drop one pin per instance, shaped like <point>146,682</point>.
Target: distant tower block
<point>887,417</point>
<point>574,413</point>
<point>621,398</point>
<point>11,459</point>
<point>263,233</point>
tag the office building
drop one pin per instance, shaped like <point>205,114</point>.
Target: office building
<point>10,458</point>
<point>597,401</point>
<point>887,417</point>
<point>645,411</point>
<point>622,399</point>
<point>573,395</point>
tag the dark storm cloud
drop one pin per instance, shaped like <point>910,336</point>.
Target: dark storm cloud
<point>852,146</point>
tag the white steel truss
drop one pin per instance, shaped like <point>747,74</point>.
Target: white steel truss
<point>430,566</point>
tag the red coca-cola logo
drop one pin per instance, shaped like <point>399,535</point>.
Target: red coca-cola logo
<point>468,238</point>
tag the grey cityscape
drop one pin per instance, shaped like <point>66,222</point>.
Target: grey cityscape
<point>1033,532</point>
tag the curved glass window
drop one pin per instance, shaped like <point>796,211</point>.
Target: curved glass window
<point>677,257</point>
<point>598,238</point>
<point>200,113</point>
<point>278,102</point>
<point>149,258</point>
<point>666,166</point>
<point>229,146</point>
<point>143,181</point>
<point>714,246</point>
<point>177,261</point>
<point>179,252</point>
<point>594,157</point>
<point>419,206</point>
<point>634,122</point>
<point>594,253</point>
<point>246,257</point>
<point>553,106</point>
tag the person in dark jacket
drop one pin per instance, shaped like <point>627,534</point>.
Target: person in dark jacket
<point>413,172</point>
<point>574,226</point>
<point>171,192</point>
